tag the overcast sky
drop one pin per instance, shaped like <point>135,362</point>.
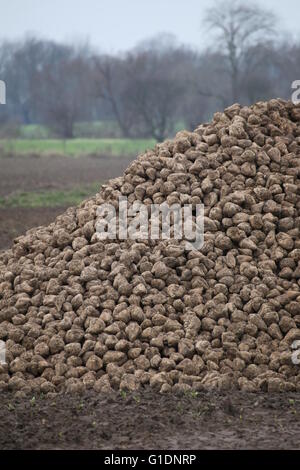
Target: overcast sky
<point>117,25</point>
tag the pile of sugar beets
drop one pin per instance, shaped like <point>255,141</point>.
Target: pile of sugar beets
<point>81,313</point>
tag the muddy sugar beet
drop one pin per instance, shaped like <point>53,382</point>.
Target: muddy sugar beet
<point>77,313</point>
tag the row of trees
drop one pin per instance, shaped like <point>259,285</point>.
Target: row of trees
<point>159,83</point>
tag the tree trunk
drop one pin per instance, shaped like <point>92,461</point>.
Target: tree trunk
<point>68,130</point>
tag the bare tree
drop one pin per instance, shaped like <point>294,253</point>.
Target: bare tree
<point>62,91</point>
<point>238,27</point>
<point>144,89</point>
<point>154,90</point>
<point>161,43</point>
<point>19,62</point>
<point>110,84</point>
<point>22,62</point>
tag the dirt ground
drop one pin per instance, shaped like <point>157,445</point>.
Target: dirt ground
<point>148,420</point>
<point>47,173</point>
<point>15,221</point>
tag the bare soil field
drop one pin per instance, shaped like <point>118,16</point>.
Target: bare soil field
<point>14,221</point>
<point>30,173</point>
<point>27,173</point>
<point>148,420</point>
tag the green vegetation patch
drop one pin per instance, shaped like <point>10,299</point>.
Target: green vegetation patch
<point>76,147</point>
<point>53,198</point>
<point>34,131</point>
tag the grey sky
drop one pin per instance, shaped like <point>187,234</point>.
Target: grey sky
<point>116,25</point>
